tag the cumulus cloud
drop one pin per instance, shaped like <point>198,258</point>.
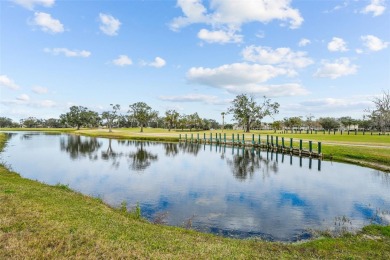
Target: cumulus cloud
<point>338,68</point>
<point>23,97</point>
<point>376,7</point>
<point>5,81</point>
<point>282,56</point>
<point>30,4</point>
<point>337,44</point>
<point>374,43</point>
<point>227,17</point>
<point>158,62</point>
<point>242,77</point>
<point>122,60</point>
<point>39,90</point>
<point>47,23</point>
<point>109,24</point>
<point>191,98</point>
<point>219,36</point>
<point>68,53</point>
<point>304,42</point>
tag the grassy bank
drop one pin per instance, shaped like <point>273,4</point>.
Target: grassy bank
<point>38,221</point>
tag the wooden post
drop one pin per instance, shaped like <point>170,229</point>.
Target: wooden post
<point>310,147</point>
<point>224,138</point>
<point>243,139</point>
<point>204,137</point>
<point>300,145</point>
<point>319,148</point>
<point>277,143</point>
<point>283,142</point>
<point>272,140</point>
<point>233,139</point>
<point>291,144</point>
<point>197,137</point>
<point>267,141</point>
<point>253,138</point>
<point>192,137</point>
<point>259,140</point>
<point>211,138</point>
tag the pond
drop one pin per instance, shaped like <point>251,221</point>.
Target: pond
<point>235,192</point>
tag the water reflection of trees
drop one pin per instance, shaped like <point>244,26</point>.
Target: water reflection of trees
<point>245,162</point>
<point>141,159</point>
<point>111,155</point>
<point>190,148</point>
<point>78,146</point>
<point>171,149</point>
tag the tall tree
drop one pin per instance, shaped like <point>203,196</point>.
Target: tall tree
<point>111,116</point>
<point>142,113</point>
<point>329,123</point>
<point>380,114</point>
<point>171,118</point>
<point>247,112</point>
<point>79,116</point>
<point>5,122</point>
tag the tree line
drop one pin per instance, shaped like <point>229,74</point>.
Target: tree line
<point>247,113</point>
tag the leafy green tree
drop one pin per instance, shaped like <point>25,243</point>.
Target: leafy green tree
<point>277,125</point>
<point>31,122</point>
<point>194,121</point>
<point>79,116</point>
<point>247,112</point>
<point>182,122</point>
<point>171,118</point>
<point>142,113</point>
<point>111,116</point>
<point>53,123</point>
<point>293,122</point>
<point>347,121</point>
<point>5,122</point>
<point>329,123</point>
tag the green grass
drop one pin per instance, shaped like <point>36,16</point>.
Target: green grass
<point>39,221</point>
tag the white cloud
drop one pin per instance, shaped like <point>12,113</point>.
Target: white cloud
<point>122,60</point>
<point>7,82</point>
<point>158,62</point>
<point>45,103</point>
<point>191,98</point>
<point>110,25</point>
<point>374,43</point>
<point>30,4</point>
<point>39,90</point>
<point>228,16</point>
<point>68,53</point>
<point>242,77</point>
<point>337,44</point>
<point>376,7</point>
<point>219,36</point>
<point>23,97</point>
<point>359,51</point>
<point>304,42</point>
<point>281,56</point>
<point>47,23</point>
<point>340,67</point>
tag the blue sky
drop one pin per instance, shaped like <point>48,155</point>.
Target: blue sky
<point>324,58</point>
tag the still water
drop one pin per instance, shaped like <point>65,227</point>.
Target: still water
<point>222,190</point>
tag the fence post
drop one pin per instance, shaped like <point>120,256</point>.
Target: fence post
<point>310,146</point>
<point>300,145</point>
<point>319,148</point>
<point>243,139</point>
<point>233,139</point>
<point>224,138</point>
<point>267,141</point>
<point>277,143</point>
<point>253,138</point>
<point>291,144</point>
<point>197,137</point>
<point>283,142</point>
<point>192,137</point>
<point>259,140</point>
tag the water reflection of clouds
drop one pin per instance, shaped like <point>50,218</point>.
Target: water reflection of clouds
<point>279,201</point>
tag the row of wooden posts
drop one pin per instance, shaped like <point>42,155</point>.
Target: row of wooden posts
<point>311,131</point>
<point>272,143</point>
